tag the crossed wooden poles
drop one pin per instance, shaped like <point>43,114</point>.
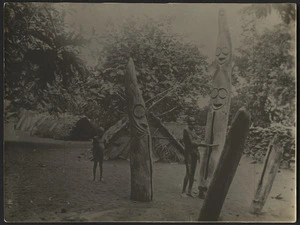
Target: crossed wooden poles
<point>221,153</point>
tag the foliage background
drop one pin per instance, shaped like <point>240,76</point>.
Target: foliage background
<point>45,70</point>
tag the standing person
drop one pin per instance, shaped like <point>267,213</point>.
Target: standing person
<point>191,154</point>
<point>98,148</point>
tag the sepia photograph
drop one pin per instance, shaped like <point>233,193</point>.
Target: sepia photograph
<point>149,112</point>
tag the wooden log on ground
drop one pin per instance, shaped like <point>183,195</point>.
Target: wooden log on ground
<point>226,168</point>
<point>140,146</point>
<point>271,166</point>
<point>220,98</point>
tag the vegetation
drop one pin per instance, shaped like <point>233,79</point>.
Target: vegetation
<point>57,80</point>
<point>41,57</point>
<point>259,139</point>
<point>265,66</point>
<point>287,11</point>
<point>169,71</point>
<point>44,71</point>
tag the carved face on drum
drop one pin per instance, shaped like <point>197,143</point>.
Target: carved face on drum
<point>222,55</point>
<point>223,51</point>
<point>219,98</point>
<point>137,111</point>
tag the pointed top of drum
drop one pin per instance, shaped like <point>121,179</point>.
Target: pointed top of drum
<point>130,71</point>
<point>130,66</point>
<point>223,27</point>
<point>130,62</point>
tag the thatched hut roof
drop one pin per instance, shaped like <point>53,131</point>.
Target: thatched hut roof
<point>62,126</point>
<point>168,132</point>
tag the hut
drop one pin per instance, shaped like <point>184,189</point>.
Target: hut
<point>165,146</point>
<point>83,130</point>
<point>63,126</point>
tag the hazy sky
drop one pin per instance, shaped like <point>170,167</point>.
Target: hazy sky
<point>198,22</point>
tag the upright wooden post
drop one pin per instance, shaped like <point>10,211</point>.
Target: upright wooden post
<point>220,97</point>
<point>140,147</point>
<point>271,165</point>
<point>226,168</point>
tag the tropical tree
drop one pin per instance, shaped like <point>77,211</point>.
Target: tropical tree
<point>41,51</point>
<point>170,72</point>
<point>287,11</point>
<point>266,62</point>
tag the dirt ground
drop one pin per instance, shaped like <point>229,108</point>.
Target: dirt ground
<point>55,184</point>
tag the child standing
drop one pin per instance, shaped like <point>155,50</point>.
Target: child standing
<point>98,148</point>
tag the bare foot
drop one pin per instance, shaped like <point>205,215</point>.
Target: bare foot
<point>183,195</point>
<point>190,195</point>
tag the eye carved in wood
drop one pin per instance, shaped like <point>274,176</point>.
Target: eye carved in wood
<point>139,111</point>
<point>140,124</point>
<point>219,97</point>
<point>222,54</point>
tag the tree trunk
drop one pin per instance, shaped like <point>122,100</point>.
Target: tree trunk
<point>271,165</point>
<point>217,117</point>
<point>140,147</point>
<point>226,168</point>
